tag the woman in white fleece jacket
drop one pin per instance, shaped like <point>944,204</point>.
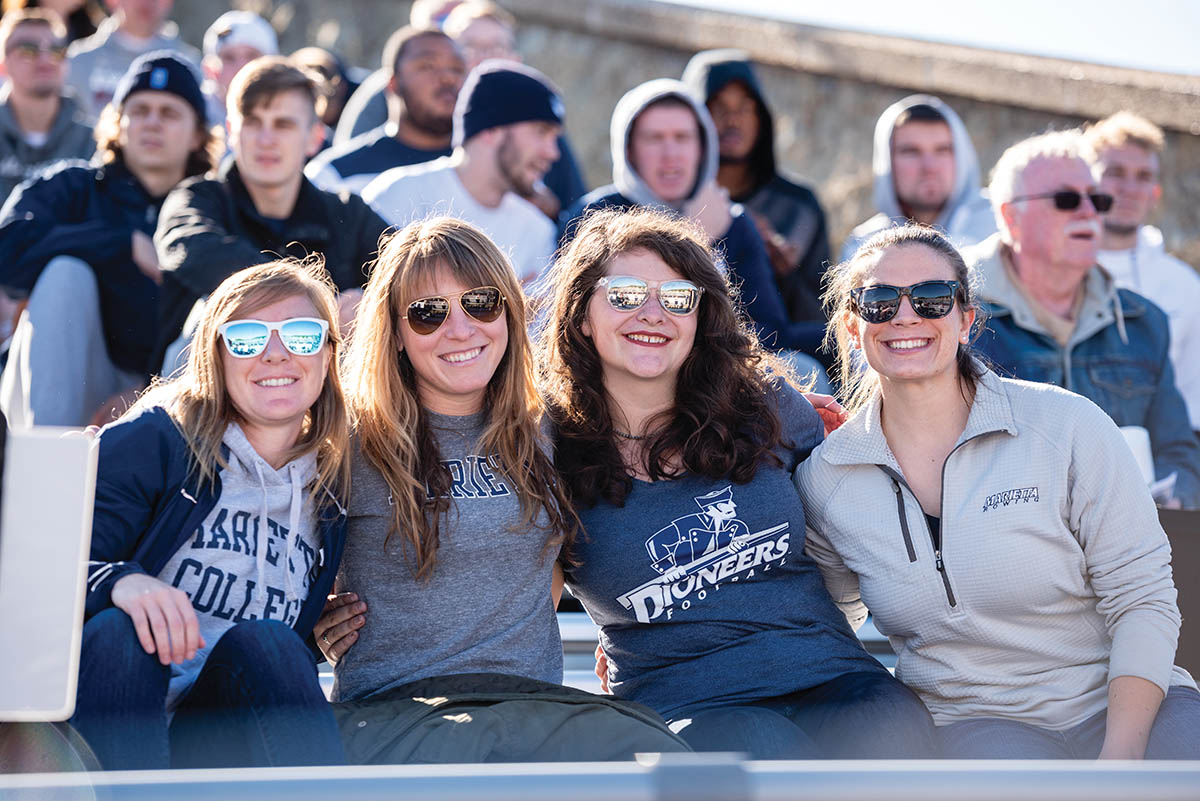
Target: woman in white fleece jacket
<point>996,530</point>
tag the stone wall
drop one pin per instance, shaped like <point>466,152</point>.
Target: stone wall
<point>826,87</point>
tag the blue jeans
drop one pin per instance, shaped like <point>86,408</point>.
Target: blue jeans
<point>1174,735</point>
<point>257,702</point>
<point>867,715</point>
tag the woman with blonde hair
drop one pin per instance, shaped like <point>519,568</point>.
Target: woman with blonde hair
<point>217,529</point>
<point>995,529</point>
<point>456,519</point>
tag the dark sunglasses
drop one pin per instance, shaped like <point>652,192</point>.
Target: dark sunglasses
<point>31,50</point>
<point>627,293</point>
<point>426,315</point>
<point>1069,199</point>
<point>302,336</point>
<point>879,303</point>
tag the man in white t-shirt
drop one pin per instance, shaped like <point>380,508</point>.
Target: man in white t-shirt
<point>1124,150</point>
<point>506,125</point>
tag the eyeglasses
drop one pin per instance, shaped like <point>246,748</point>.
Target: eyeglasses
<point>31,50</point>
<point>627,293</point>
<point>1069,199</point>
<point>426,315</point>
<point>302,336</point>
<point>879,303</point>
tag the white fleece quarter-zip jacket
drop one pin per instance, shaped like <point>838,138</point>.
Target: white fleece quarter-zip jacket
<point>1055,575</point>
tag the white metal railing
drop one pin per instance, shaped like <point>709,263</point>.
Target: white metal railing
<point>694,777</point>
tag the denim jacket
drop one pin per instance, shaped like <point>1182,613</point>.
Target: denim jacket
<point>1117,357</point>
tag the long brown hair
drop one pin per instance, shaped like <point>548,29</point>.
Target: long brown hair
<point>856,380</point>
<point>196,397</point>
<point>393,429</point>
<point>723,423</point>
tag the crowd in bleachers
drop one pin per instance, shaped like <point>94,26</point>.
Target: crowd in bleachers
<point>379,374</point>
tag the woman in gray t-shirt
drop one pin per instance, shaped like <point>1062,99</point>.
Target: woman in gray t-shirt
<point>676,438</point>
<point>452,550</point>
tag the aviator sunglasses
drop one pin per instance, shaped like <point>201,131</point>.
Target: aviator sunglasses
<point>627,293</point>
<point>302,336</point>
<point>56,51</point>
<point>1069,199</point>
<point>426,315</point>
<point>879,303</point>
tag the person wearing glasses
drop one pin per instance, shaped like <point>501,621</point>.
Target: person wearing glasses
<point>449,580</point>
<point>218,526</point>
<point>676,436</point>
<point>39,125</point>
<point>1058,317</point>
<point>994,528</point>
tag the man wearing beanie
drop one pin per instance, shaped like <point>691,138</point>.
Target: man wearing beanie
<point>233,41</point>
<point>260,206</point>
<point>77,242</point>
<point>506,125</point>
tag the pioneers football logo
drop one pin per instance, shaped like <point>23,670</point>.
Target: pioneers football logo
<point>700,551</point>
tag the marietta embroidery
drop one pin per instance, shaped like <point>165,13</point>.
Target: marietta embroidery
<point>1022,495</point>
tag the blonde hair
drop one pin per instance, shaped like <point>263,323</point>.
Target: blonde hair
<point>391,426</point>
<point>1121,129</point>
<point>197,399</point>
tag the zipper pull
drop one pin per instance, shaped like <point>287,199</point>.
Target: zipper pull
<point>937,560</point>
<point>896,486</point>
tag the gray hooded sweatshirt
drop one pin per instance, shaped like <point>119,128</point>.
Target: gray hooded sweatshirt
<point>967,217</point>
<point>96,64</point>
<point>69,137</point>
<point>253,557</point>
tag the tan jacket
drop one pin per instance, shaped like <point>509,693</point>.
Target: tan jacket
<point>1056,575</point>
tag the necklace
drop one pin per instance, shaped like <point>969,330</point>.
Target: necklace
<point>627,435</point>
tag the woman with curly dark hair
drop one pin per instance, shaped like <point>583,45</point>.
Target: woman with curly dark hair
<point>676,436</point>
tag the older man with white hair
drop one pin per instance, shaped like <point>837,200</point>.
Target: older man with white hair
<point>1057,317</point>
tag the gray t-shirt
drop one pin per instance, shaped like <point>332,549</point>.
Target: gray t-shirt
<point>487,606</point>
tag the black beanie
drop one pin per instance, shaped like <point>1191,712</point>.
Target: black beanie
<point>499,92</point>
<point>162,71</point>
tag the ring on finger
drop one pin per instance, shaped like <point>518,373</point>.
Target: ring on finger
<point>325,638</point>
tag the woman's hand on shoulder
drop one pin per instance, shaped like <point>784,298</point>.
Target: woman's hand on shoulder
<point>337,628</point>
<point>831,412</point>
<point>162,615</point>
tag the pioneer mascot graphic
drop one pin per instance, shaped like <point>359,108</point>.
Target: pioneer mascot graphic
<point>700,551</point>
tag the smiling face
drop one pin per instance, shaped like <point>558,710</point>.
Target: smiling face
<point>455,363</point>
<point>1044,235</point>
<point>909,347</point>
<point>275,389</point>
<point>644,345</point>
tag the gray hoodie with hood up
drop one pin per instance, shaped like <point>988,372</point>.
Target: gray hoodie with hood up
<point>741,248</point>
<point>967,217</point>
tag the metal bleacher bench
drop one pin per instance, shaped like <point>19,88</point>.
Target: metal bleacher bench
<point>579,649</point>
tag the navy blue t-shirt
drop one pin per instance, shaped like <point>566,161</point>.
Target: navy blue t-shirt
<point>702,590</point>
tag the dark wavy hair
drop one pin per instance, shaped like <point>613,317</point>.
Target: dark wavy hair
<point>723,423</point>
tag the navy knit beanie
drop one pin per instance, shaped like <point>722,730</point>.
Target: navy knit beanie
<point>162,71</point>
<point>499,92</point>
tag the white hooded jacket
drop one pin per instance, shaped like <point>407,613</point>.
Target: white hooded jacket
<point>967,217</point>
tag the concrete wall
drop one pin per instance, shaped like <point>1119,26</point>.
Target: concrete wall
<point>826,87</point>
